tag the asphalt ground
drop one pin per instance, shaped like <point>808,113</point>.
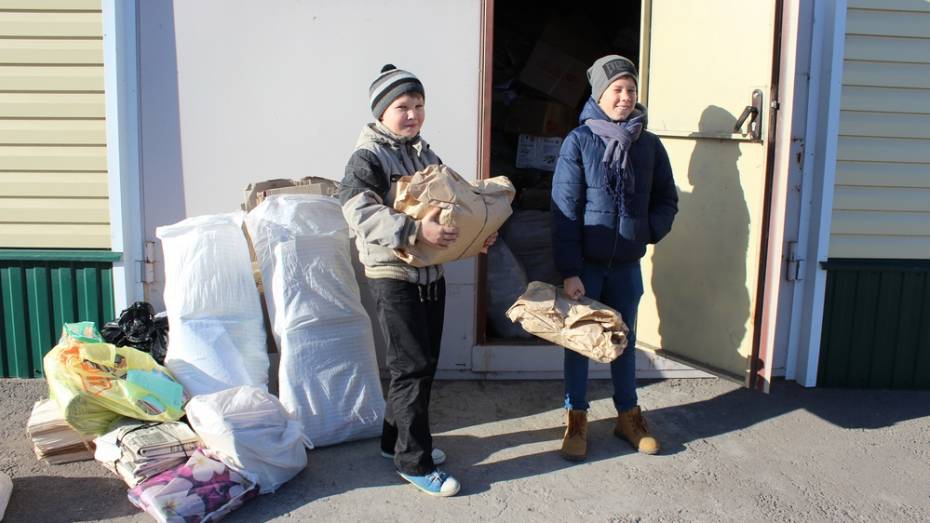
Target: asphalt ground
<point>729,454</point>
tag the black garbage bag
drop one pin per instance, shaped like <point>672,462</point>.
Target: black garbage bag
<point>139,327</point>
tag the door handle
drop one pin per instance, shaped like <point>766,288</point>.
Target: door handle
<point>752,113</point>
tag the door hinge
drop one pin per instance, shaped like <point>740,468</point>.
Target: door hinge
<point>794,271</point>
<point>148,263</point>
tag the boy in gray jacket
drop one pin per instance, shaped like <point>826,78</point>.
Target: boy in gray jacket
<point>410,300</point>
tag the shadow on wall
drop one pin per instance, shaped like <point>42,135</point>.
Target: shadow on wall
<point>699,270</point>
<point>163,198</point>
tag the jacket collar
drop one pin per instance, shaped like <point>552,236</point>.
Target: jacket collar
<point>374,133</point>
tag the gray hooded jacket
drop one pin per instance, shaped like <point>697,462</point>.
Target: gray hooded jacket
<point>367,194</point>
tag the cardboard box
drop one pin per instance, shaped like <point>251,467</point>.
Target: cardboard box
<point>556,74</point>
<point>537,152</point>
<point>540,118</point>
<point>255,193</point>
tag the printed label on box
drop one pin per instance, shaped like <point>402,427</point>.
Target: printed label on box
<point>537,152</point>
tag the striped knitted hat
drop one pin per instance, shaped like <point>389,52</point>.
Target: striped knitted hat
<point>389,85</point>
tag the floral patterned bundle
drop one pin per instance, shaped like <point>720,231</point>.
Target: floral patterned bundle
<point>201,490</point>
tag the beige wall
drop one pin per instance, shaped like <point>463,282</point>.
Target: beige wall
<point>881,207</point>
<point>53,178</point>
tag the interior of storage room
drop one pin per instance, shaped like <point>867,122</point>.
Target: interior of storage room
<point>541,52</point>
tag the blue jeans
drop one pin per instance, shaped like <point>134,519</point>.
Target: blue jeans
<point>620,287</point>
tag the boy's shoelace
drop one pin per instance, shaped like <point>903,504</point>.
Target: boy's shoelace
<point>437,477</point>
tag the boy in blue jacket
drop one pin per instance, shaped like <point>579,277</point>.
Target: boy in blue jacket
<point>613,193</point>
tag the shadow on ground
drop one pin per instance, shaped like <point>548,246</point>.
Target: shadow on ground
<point>479,424</point>
<point>108,499</point>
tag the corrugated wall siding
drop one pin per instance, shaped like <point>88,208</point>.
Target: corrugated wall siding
<point>53,172</point>
<point>876,325</point>
<point>37,297</point>
<point>881,206</point>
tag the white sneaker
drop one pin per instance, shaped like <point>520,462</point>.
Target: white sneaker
<point>439,457</point>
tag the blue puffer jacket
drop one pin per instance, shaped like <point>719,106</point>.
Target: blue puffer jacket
<point>585,221</point>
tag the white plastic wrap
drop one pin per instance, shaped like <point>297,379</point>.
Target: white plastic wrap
<point>506,282</point>
<point>6,490</point>
<point>328,370</point>
<point>252,432</point>
<point>217,336</point>
<point>528,234</point>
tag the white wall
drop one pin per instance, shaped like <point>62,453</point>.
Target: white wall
<point>235,91</point>
<point>280,88</point>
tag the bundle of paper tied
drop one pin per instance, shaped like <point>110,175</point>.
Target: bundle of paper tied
<point>584,325</point>
<point>54,441</point>
<point>137,450</point>
<point>477,209</point>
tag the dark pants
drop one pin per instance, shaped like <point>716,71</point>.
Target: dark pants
<point>411,319</point>
<point>620,287</point>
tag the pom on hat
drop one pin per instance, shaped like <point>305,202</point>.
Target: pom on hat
<point>388,67</point>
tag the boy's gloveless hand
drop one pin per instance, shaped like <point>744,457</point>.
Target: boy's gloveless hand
<point>574,289</point>
<point>436,234</point>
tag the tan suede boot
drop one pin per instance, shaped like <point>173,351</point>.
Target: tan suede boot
<point>575,440</point>
<point>632,427</point>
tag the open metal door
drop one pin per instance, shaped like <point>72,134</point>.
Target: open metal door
<point>707,69</point>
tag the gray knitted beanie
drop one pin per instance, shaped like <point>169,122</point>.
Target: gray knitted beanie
<point>607,69</point>
<point>390,85</point>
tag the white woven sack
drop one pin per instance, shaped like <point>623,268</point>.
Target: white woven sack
<point>217,337</point>
<point>6,490</point>
<point>251,431</point>
<point>328,372</point>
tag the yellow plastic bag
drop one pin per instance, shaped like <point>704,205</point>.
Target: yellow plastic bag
<point>93,383</point>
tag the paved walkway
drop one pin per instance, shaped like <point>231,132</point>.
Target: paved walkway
<point>729,454</point>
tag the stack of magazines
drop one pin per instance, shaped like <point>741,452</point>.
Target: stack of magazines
<point>53,440</point>
<point>137,450</point>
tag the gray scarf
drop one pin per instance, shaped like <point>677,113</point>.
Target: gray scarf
<point>618,138</point>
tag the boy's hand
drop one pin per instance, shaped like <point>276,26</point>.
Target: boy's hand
<point>489,242</point>
<point>435,234</point>
<point>574,289</point>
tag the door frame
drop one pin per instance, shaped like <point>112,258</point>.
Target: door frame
<point>485,88</point>
<point>124,189</point>
<point>827,22</point>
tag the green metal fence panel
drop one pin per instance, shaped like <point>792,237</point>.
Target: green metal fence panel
<point>14,323</point>
<point>876,325</point>
<point>63,295</point>
<point>38,295</point>
<point>87,292</point>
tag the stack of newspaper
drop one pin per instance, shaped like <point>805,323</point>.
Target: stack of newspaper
<point>53,440</point>
<point>137,450</point>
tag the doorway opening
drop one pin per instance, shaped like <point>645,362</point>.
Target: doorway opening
<point>539,59</point>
